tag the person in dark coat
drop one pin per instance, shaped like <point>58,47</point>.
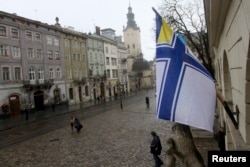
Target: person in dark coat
<point>53,107</point>
<point>220,137</point>
<point>147,101</point>
<point>77,125</point>
<point>26,114</point>
<point>155,149</point>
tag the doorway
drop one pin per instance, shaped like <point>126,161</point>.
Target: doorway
<point>14,104</point>
<point>39,98</point>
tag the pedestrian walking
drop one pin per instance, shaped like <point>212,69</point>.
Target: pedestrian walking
<point>155,149</point>
<point>72,120</point>
<point>98,100</point>
<point>220,137</point>
<point>26,114</point>
<point>53,107</point>
<point>147,101</point>
<point>77,125</point>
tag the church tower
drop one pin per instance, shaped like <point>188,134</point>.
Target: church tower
<point>131,35</point>
<point>132,40</point>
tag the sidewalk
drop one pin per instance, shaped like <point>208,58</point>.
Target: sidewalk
<point>12,122</point>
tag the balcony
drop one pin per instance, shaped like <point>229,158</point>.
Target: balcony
<point>32,82</point>
<point>41,81</point>
<point>124,71</point>
<point>38,83</point>
<point>124,60</point>
<point>79,81</point>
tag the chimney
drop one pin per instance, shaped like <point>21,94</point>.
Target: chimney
<point>97,30</point>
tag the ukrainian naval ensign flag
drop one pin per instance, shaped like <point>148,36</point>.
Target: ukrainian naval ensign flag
<point>185,89</point>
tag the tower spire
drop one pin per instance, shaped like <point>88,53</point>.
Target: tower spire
<point>130,16</point>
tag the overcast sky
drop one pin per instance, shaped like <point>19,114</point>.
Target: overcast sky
<point>84,15</point>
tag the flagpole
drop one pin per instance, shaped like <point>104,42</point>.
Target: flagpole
<point>228,110</point>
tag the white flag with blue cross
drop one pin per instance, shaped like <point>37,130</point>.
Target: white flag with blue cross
<point>185,89</point>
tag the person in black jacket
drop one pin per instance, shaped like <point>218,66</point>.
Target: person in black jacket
<point>26,114</point>
<point>220,137</point>
<point>147,101</point>
<point>77,125</point>
<point>155,149</point>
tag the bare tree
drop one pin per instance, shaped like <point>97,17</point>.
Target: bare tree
<point>138,67</point>
<point>188,18</point>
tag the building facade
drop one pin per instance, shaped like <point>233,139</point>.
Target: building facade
<point>96,66</point>
<point>75,65</point>
<point>116,63</point>
<point>122,55</point>
<point>111,63</point>
<point>43,65</point>
<point>228,29</point>
<point>31,64</point>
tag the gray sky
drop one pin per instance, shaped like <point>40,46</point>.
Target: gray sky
<point>84,15</point>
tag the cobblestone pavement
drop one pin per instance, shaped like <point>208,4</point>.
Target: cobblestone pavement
<point>114,138</point>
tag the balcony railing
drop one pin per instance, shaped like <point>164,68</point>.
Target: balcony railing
<point>124,60</point>
<point>32,82</point>
<point>40,82</point>
<point>80,81</point>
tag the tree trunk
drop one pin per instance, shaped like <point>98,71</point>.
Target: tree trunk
<point>183,148</point>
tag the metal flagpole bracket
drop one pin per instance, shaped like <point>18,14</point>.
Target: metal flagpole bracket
<point>236,112</point>
<point>231,114</point>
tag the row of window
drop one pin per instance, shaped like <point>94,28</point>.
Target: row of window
<point>31,53</point>
<point>14,33</point>
<point>30,35</point>
<point>112,50</point>
<point>92,43</point>
<point>74,44</point>
<point>96,58</point>
<point>78,73</point>
<point>5,51</point>
<point>96,70</point>
<point>33,36</point>
<point>34,74</point>
<point>75,57</point>
<point>71,92</point>
<point>114,73</point>
<point>39,73</point>
<point>133,46</point>
<point>8,75</point>
<point>113,61</point>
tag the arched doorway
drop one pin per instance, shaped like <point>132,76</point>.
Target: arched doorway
<point>14,105</point>
<point>38,99</point>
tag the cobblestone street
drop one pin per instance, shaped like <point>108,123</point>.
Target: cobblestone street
<point>113,138</point>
